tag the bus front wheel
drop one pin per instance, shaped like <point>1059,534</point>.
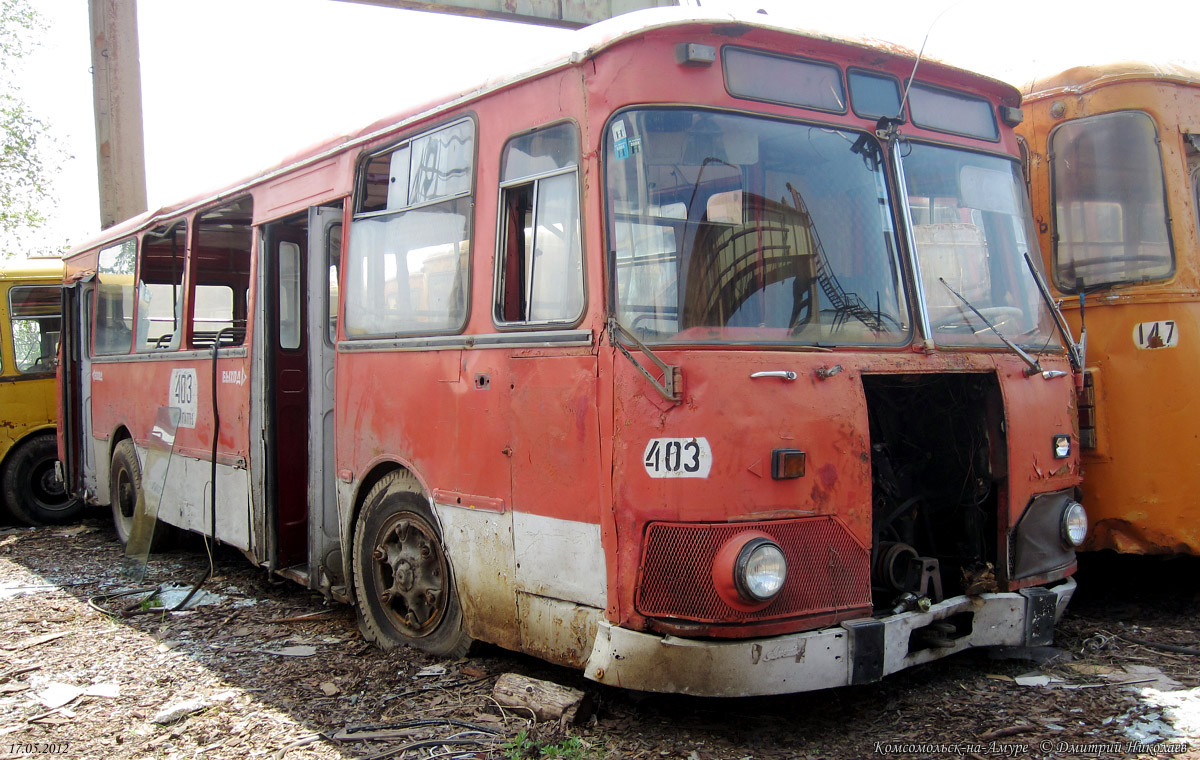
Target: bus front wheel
<point>402,580</point>
<point>124,485</point>
<point>33,492</point>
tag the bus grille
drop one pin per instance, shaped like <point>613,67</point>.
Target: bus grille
<point>828,570</point>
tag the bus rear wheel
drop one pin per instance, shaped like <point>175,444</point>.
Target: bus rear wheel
<point>402,580</point>
<point>33,492</point>
<point>124,486</point>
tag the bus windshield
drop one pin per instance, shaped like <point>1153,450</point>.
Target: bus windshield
<point>730,228</point>
<point>972,227</point>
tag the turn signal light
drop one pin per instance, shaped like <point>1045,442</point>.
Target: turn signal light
<point>787,464</point>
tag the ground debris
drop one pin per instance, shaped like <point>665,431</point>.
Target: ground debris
<point>262,706</point>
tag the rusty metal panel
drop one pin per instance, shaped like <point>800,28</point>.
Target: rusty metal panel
<point>564,13</point>
<point>117,99</point>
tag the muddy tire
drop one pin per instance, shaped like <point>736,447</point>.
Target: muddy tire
<point>32,491</point>
<point>124,487</point>
<point>402,581</point>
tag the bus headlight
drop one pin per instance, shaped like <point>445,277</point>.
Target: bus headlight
<point>1074,524</point>
<point>749,571</point>
<point>760,570</point>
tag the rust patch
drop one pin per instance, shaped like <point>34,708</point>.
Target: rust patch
<point>828,475</point>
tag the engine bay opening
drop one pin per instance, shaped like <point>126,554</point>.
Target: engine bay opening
<point>937,466</point>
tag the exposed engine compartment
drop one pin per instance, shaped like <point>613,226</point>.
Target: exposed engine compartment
<point>937,464</point>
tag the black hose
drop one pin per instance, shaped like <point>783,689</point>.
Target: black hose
<point>212,491</point>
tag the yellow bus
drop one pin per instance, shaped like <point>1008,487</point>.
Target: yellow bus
<point>31,487</point>
<point>1114,170</point>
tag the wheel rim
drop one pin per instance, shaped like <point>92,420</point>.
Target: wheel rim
<point>410,574</point>
<point>126,496</point>
<point>46,488</point>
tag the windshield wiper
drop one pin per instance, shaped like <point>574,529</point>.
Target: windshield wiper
<point>1075,351</point>
<point>1034,367</point>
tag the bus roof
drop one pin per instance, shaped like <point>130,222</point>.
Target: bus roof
<point>582,44</point>
<point>1082,79</point>
<point>49,267</point>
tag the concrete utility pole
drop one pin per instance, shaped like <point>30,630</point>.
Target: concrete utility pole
<point>117,79</point>
<point>117,99</point>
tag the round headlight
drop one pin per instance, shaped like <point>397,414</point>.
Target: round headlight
<point>760,570</point>
<point>1074,524</point>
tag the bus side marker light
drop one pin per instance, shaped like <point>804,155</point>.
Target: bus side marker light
<point>1062,446</point>
<point>787,464</point>
<point>695,54</point>
<point>1011,115</point>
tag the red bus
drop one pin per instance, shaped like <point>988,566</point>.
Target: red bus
<point>709,357</point>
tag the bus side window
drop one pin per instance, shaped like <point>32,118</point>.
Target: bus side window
<point>160,287</point>
<point>1110,207</point>
<point>221,257</point>
<point>410,238</point>
<point>333,257</point>
<point>539,269</point>
<point>35,312</point>
<point>113,333</point>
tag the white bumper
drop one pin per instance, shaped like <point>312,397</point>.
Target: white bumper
<point>856,651</point>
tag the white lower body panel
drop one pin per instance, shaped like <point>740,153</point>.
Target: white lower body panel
<point>816,659</point>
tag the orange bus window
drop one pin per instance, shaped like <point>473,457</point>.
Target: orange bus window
<point>1110,213</point>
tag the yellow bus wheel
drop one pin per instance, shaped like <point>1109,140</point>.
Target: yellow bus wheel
<point>32,489</point>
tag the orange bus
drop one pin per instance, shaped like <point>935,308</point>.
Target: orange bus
<point>734,379</point>
<point>1115,179</point>
<point>30,315</point>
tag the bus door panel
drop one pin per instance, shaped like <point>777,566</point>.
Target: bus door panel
<point>76,390</point>
<point>324,245</point>
<point>556,477</point>
<point>287,389</point>
<point>472,490</point>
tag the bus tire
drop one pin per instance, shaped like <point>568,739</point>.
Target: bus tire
<point>33,492</point>
<point>402,582</point>
<point>124,486</point>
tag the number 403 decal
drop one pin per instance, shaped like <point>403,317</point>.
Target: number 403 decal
<point>677,458</point>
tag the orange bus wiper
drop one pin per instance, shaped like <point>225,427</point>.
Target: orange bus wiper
<point>1075,350</point>
<point>1034,367</point>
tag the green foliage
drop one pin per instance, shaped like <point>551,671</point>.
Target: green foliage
<point>524,746</point>
<point>26,149</point>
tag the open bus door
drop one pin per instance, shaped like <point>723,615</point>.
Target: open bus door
<point>325,246</point>
<point>298,382</point>
<point>75,384</point>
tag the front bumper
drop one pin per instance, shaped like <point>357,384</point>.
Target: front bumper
<point>853,652</point>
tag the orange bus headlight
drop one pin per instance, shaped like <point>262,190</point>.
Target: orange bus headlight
<point>1074,524</point>
<point>749,571</point>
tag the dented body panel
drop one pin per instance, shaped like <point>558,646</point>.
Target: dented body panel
<point>581,511</point>
<point>1140,469</point>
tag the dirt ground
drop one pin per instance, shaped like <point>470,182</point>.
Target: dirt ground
<point>268,670</point>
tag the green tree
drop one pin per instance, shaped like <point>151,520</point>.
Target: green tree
<point>26,146</point>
